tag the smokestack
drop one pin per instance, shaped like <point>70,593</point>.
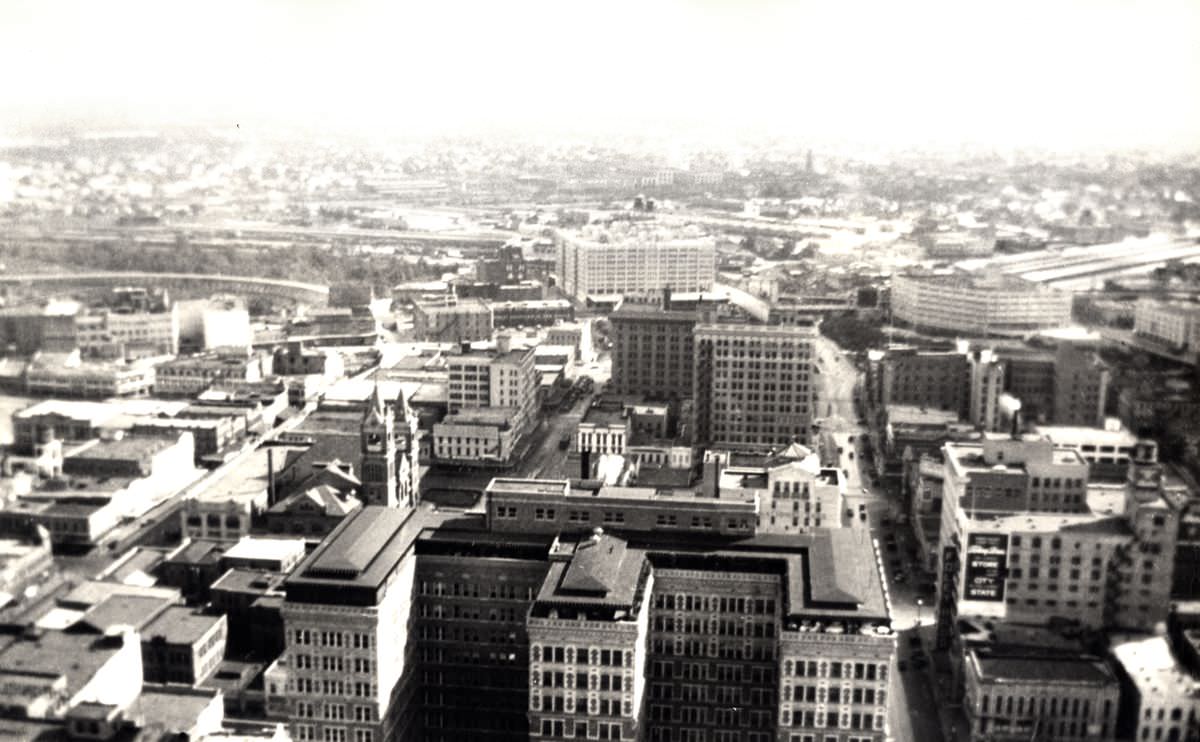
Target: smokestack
<point>270,477</point>
<point>585,464</point>
<point>712,476</point>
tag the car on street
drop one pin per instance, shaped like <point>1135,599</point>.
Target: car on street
<point>898,577</point>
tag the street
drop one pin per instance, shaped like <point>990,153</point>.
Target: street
<point>915,710</point>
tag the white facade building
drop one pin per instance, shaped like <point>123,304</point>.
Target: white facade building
<point>635,260</point>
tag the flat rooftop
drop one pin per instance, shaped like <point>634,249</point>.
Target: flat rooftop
<point>129,448</point>
<point>1153,667</point>
<point>1029,667</point>
<point>354,562</point>
<point>499,416</point>
<point>268,549</point>
<point>180,625</point>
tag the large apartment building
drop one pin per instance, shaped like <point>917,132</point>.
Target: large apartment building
<point>635,260</point>
<point>754,386</point>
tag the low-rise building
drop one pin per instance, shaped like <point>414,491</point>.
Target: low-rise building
<point>1023,694</point>
<point>189,377</point>
<point>577,335</point>
<point>182,645</point>
<point>460,321</point>
<point>1174,325</point>
<point>1162,697</point>
<point>532,313</point>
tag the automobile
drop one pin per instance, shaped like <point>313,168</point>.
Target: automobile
<point>564,442</point>
<point>863,517</point>
<point>850,513</point>
<point>898,578</point>
<point>866,491</point>
<point>852,456</point>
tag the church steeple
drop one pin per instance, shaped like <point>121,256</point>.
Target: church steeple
<point>378,438</point>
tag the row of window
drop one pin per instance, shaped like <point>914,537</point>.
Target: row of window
<point>329,687</point>
<point>336,712</point>
<point>351,640</point>
<point>600,682</point>
<point>333,663</point>
<point>306,733</point>
<point>834,719</point>
<point>564,655</point>
<point>868,671</point>
<point>714,604</point>
<point>835,695</point>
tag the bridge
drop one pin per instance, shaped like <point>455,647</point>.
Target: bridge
<point>189,283</point>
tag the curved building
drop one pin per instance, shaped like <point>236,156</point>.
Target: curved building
<point>978,304</point>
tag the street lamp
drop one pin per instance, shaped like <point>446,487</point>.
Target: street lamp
<point>919,604</point>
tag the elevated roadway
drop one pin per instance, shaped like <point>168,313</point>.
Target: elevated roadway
<point>199,283</point>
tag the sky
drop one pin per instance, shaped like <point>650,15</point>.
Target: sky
<point>1096,73</point>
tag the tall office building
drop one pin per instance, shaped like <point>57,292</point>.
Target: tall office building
<point>346,617</point>
<point>652,351</point>
<point>532,621</point>
<point>1080,385</point>
<point>930,379</point>
<point>754,386</point>
<point>635,260</point>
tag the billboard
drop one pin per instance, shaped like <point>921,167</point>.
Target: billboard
<point>986,563</point>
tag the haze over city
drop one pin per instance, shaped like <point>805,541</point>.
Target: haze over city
<point>683,371</point>
<point>1065,74</point>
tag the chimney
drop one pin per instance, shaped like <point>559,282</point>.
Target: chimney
<point>585,464</point>
<point>270,477</point>
<point>712,476</point>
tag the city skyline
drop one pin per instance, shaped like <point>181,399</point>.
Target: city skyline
<point>1068,75</point>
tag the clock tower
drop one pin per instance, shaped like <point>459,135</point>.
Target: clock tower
<point>378,435</point>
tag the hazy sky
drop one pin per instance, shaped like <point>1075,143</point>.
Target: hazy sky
<point>1094,72</point>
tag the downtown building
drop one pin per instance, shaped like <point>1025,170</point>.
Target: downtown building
<point>754,386</point>
<point>620,614</point>
<point>978,304</point>
<point>493,403</point>
<point>634,260</point>
<point>653,351</point>
<point>1027,538</point>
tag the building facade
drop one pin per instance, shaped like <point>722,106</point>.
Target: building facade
<point>634,260</point>
<point>653,352</point>
<point>754,386</point>
<point>983,305</point>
